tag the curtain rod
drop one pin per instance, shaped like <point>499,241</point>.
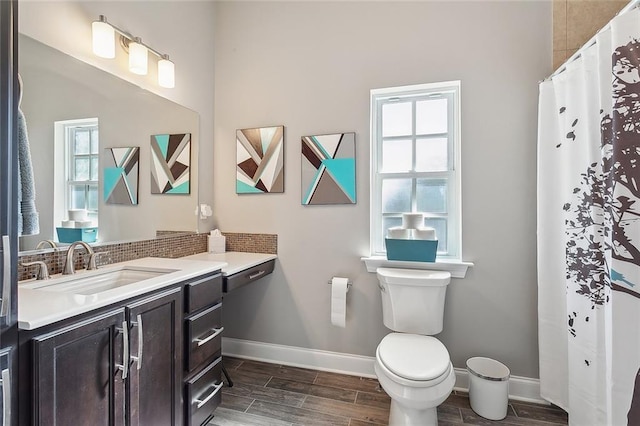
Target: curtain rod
<point>631,5</point>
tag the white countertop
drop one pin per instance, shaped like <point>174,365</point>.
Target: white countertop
<point>236,261</point>
<point>39,307</point>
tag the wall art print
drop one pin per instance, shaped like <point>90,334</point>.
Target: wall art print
<point>329,169</point>
<point>171,164</point>
<point>260,160</point>
<point>121,175</point>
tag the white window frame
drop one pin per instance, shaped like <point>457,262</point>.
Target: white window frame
<point>62,171</point>
<point>451,90</point>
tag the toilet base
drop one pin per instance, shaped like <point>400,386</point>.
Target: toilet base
<point>403,416</point>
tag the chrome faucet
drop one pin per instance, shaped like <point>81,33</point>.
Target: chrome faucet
<point>43,243</point>
<point>68,264</point>
<point>43,271</point>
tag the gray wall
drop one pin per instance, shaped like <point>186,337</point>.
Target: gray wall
<point>310,66</point>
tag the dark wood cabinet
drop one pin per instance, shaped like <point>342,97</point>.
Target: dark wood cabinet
<point>203,349</point>
<point>120,367</point>
<point>125,364</point>
<point>78,373</point>
<point>155,373</point>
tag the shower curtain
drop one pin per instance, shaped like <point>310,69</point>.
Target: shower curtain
<point>589,231</point>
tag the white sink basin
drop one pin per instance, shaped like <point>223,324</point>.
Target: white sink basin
<point>98,281</point>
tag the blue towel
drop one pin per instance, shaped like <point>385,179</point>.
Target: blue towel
<point>28,219</point>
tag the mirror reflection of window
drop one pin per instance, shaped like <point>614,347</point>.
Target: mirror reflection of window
<point>76,183</point>
<point>82,168</point>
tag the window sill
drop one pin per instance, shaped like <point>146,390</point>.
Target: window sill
<point>457,268</point>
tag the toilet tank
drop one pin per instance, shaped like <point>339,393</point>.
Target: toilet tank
<point>413,300</point>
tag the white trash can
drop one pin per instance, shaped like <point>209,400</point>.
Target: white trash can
<point>488,387</point>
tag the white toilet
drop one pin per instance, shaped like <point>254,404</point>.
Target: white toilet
<point>413,367</point>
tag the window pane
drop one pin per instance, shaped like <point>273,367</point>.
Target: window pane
<point>431,195</point>
<point>94,168</point>
<point>81,169</point>
<point>431,155</point>
<point>92,197</point>
<point>77,197</point>
<point>396,195</point>
<point>440,225</point>
<point>431,116</point>
<point>396,155</point>
<point>94,141</point>
<point>81,141</point>
<point>396,119</point>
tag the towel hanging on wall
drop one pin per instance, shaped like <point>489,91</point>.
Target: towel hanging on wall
<point>28,219</point>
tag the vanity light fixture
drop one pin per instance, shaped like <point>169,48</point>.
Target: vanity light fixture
<point>166,73</point>
<point>104,43</point>
<point>138,57</point>
<point>103,38</point>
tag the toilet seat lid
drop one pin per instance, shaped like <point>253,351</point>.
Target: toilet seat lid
<point>413,356</point>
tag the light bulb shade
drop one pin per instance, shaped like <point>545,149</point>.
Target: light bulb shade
<point>104,41</point>
<point>138,57</point>
<point>166,73</point>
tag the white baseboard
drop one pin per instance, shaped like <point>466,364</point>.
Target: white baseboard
<point>335,362</point>
<point>520,388</point>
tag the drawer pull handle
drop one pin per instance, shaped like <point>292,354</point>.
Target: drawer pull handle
<point>216,389</point>
<point>256,275</point>
<point>216,332</point>
<point>138,359</point>
<point>6,397</point>
<point>5,301</point>
<point>124,367</point>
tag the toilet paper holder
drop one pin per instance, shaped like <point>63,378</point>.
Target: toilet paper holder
<point>349,284</point>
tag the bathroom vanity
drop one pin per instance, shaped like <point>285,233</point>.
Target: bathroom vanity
<point>144,353</point>
<point>240,268</point>
<point>134,343</point>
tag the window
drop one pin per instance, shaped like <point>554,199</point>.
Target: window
<point>415,161</point>
<point>77,182</point>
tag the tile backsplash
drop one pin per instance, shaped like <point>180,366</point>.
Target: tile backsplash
<point>166,245</point>
<point>252,243</point>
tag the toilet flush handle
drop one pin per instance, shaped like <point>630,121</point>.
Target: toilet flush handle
<point>382,289</point>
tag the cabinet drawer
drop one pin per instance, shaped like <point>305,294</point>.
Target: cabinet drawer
<point>203,292</point>
<point>204,393</point>
<point>204,336</point>
<point>250,275</point>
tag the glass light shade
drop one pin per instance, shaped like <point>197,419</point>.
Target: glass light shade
<point>138,57</point>
<point>166,73</point>
<point>104,41</point>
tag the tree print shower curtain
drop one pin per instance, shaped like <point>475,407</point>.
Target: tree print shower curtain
<point>589,231</point>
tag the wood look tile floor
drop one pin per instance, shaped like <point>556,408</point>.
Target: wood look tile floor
<point>276,395</point>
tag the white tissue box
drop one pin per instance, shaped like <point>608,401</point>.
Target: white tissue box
<point>217,243</point>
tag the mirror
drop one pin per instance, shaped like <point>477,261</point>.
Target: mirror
<point>58,88</point>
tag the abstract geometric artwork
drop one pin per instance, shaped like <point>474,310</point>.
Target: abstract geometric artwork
<point>122,166</point>
<point>171,164</point>
<point>329,169</point>
<point>260,160</point>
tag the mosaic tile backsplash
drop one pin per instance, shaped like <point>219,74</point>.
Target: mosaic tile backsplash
<point>252,243</point>
<point>168,245</point>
